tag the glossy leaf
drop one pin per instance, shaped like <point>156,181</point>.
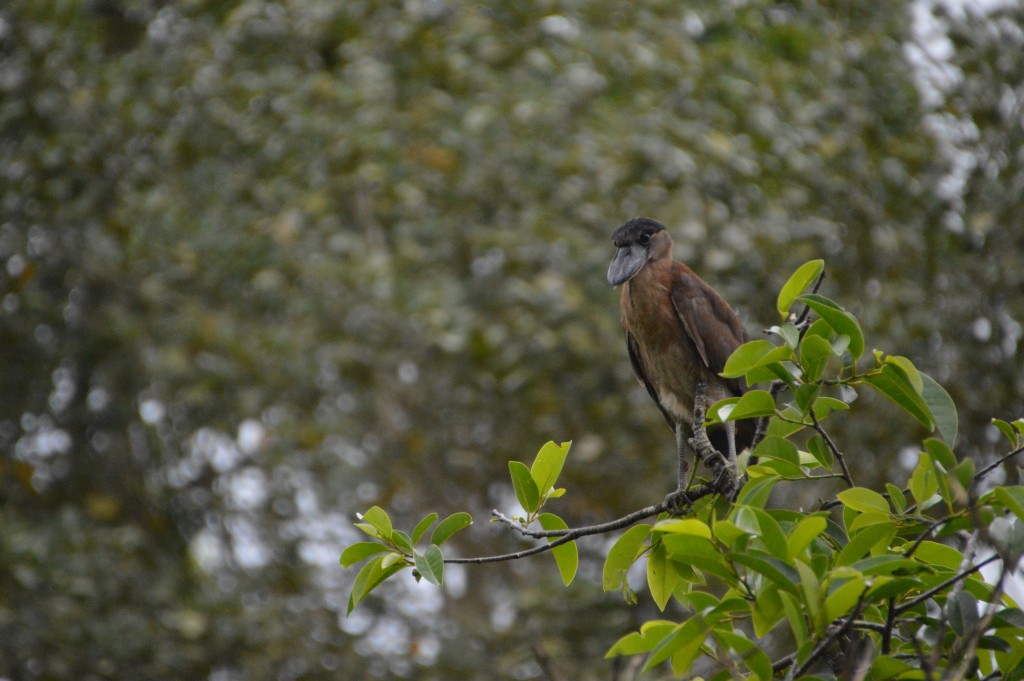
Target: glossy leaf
<point>644,641</point>
<point>449,526</point>
<point>815,353</point>
<point>864,541</point>
<point>422,526</point>
<point>361,551</point>
<point>863,500</point>
<point>753,403</point>
<point>525,488</point>
<point>378,518</point>
<point>839,319</point>
<point>893,383</point>
<point>804,276</point>
<point>941,407</point>
<point>548,465</point>
<point>801,536</point>
<point>566,555</point>
<point>661,576</point>
<point>622,555</point>
<point>778,571</point>
<point>372,575</point>
<point>430,564</point>
<point>754,354</point>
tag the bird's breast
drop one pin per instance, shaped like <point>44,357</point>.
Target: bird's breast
<point>668,358</point>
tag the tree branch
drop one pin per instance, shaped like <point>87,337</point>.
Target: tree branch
<point>921,598</point>
<point>820,649</point>
<point>832,447</point>
<point>724,482</point>
<point>996,464</point>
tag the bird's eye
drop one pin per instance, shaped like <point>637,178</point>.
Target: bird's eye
<point>645,239</point>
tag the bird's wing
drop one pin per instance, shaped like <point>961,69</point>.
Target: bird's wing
<point>638,369</point>
<point>708,320</point>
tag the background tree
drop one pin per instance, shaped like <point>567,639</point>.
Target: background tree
<point>266,264</point>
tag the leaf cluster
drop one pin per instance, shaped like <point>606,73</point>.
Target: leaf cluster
<point>892,568</point>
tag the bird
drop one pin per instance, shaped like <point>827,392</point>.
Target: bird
<point>679,331</point>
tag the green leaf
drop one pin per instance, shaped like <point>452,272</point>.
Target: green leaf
<point>430,564</point>
<point>942,409</point>
<point>867,539</point>
<point>893,383</point>
<point>369,578</point>
<point>767,610</point>
<point>1007,430</point>
<point>777,571</point>
<point>756,492</point>
<point>805,396</point>
<point>699,553</point>
<point>884,668</point>
<point>823,406</point>
<point>795,616</point>
<point>1012,498</point>
<point>361,551</point>
<point>566,555</point>
<point>770,532</point>
<point>804,276</point>
<point>909,370</point>
<point>422,526</point>
<point>378,519</point>
<point>815,352</point>
<point>524,486</point>
<point>788,333</point>
<point>622,555</point>
<point>864,500</point>
<point>820,451</point>
<point>650,634</point>
<point>548,465</point>
<point>449,526</point>
<point>685,640</point>
<point>661,576</point>
<point>402,540</point>
<point>923,483</point>
<point>841,321</point>
<point>938,555</point>
<point>941,452</point>
<point>746,650</point>
<point>753,403</point>
<point>754,354</point>
<point>842,600</point>
<point>777,448</point>
<point>896,496</point>
<point>691,526</point>
<point>805,531</point>
<point>962,610</point>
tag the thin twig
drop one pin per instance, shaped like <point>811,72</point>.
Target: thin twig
<point>776,387</point>
<point>921,598</point>
<point>829,640</point>
<point>932,526</point>
<point>995,464</point>
<point>724,482</point>
<point>832,446</point>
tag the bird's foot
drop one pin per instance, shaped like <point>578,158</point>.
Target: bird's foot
<point>678,503</point>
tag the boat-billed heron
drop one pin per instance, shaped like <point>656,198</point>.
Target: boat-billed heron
<point>679,331</point>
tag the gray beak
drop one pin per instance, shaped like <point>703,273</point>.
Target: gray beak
<point>627,261</point>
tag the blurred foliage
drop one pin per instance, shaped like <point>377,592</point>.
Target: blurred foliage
<point>268,263</point>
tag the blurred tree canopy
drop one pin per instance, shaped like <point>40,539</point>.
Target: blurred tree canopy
<point>267,263</point>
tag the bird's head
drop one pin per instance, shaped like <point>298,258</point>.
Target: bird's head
<point>638,240</point>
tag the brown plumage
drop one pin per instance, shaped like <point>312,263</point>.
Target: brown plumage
<point>679,331</point>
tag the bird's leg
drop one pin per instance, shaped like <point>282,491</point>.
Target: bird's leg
<point>677,502</point>
<point>684,465</point>
<point>730,435</point>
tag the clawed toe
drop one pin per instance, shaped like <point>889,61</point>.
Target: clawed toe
<point>677,503</point>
